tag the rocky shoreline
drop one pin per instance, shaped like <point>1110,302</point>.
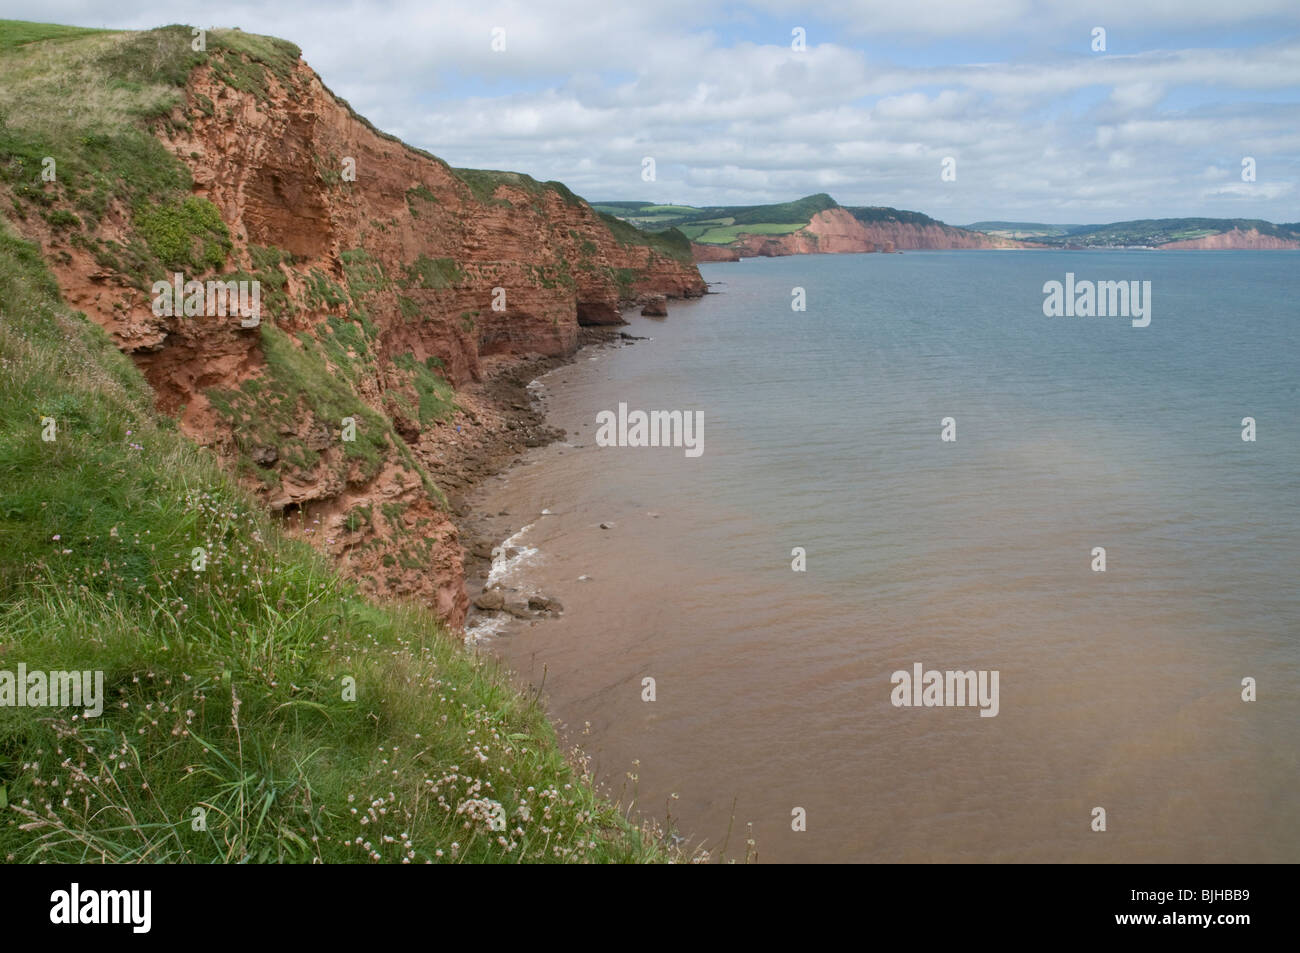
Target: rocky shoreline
<point>505,420</point>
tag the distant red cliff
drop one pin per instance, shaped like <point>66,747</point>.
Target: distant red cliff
<point>838,231</point>
<point>1235,239</point>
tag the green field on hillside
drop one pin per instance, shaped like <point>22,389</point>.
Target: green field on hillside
<point>721,234</point>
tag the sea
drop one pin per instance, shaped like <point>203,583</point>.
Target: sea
<point>1094,529</point>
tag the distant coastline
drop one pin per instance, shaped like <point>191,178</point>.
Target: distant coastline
<point>817,224</point>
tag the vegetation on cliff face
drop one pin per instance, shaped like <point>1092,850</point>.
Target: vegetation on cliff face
<point>257,707</point>
<point>189,235</point>
<point>670,242</point>
<point>483,183</point>
<point>878,214</point>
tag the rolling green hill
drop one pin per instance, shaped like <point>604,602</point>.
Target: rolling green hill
<point>1034,231</point>
<point>877,214</point>
<point>721,224</point>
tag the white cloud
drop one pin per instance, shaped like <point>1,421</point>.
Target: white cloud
<point>1137,96</point>
<point>584,90</point>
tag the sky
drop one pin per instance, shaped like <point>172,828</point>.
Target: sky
<point>1039,126</point>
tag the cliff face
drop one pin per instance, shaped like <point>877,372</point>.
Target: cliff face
<point>714,252</point>
<point>380,293</point>
<point>275,174</point>
<point>1236,239</point>
<point>938,237</point>
<point>837,230</point>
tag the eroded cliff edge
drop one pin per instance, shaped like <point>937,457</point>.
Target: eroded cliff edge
<point>391,286</point>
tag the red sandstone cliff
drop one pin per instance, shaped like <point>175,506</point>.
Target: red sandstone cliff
<point>714,252</point>
<point>837,230</point>
<point>1235,239</point>
<point>918,237</point>
<point>372,290</point>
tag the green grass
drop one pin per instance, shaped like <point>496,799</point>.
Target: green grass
<point>322,292</point>
<point>247,61</point>
<point>800,210</point>
<point>421,192</point>
<point>432,273</point>
<point>671,243</point>
<point>162,56</point>
<point>436,397</point>
<point>62,102</point>
<point>483,183</point>
<point>16,33</point>
<point>624,279</point>
<point>716,235</point>
<point>714,225</point>
<point>187,235</point>
<point>874,214</point>
<point>296,396</point>
<point>267,268</point>
<point>409,308</point>
<point>364,275</point>
<point>227,688</point>
<point>347,344</point>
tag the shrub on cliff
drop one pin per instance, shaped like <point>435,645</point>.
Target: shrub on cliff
<point>188,235</point>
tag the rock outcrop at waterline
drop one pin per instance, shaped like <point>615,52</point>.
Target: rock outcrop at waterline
<point>387,279</point>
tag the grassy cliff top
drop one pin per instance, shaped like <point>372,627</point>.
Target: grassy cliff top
<point>60,84</point>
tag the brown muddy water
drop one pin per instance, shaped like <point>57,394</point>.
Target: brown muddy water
<point>1118,689</point>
